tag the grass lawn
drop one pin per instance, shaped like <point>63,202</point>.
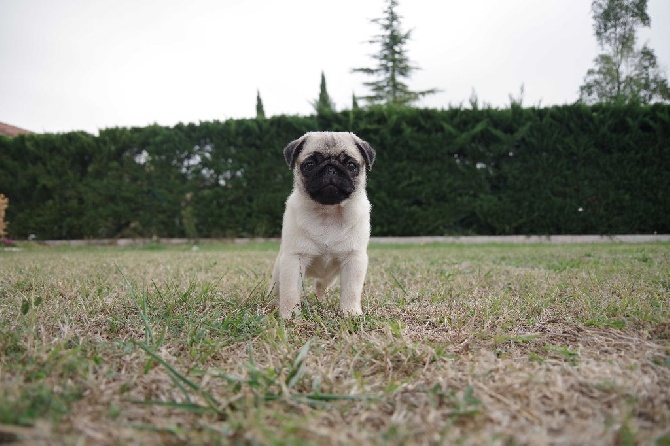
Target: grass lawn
<point>485,344</point>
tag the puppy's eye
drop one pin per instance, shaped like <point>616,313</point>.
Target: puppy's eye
<point>352,167</point>
<point>308,165</point>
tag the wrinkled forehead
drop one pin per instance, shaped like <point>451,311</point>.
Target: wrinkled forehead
<point>330,144</point>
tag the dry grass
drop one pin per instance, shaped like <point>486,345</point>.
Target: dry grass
<point>492,344</point>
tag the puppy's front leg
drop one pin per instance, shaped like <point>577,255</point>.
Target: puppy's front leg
<point>352,278</point>
<point>290,285</point>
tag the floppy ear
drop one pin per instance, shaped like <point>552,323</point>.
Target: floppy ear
<point>292,150</point>
<point>366,150</point>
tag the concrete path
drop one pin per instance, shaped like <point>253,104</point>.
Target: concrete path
<point>473,239</point>
<point>469,239</point>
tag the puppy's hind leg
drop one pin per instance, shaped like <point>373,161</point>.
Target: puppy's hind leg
<point>322,284</point>
<point>273,288</point>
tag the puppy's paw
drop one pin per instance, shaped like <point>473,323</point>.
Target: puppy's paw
<point>351,312</point>
<point>290,313</point>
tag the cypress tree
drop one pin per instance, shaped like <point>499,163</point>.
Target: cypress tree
<point>260,111</point>
<point>323,104</point>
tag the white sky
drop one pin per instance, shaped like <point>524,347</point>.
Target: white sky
<point>91,64</point>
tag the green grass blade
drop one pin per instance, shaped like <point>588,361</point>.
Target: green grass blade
<point>189,407</point>
<point>297,371</point>
<point>397,282</point>
<point>180,378</point>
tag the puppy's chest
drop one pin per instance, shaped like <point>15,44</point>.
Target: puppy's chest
<point>326,228</point>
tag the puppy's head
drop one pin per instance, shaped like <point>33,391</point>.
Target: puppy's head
<point>329,166</point>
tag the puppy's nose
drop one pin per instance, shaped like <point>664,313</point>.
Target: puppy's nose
<point>330,170</point>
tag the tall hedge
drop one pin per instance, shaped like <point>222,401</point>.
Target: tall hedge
<point>561,170</point>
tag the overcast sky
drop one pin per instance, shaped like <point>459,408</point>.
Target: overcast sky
<point>91,64</point>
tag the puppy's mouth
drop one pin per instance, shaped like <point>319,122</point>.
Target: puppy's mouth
<point>330,195</point>
<point>330,185</point>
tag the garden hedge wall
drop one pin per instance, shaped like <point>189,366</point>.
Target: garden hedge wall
<point>571,169</point>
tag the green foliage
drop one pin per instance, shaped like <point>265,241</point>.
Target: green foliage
<point>622,72</point>
<point>393,64</point>
<point>561,170</point>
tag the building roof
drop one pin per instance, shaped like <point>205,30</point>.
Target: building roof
<point>11,131</point>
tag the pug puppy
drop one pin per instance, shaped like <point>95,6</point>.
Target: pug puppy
<point>326,225</point>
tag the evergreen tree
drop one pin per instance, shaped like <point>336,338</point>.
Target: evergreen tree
<point>323,104</point>
<point>393,64</point>
<point>260,111</point>
<point>622,71</point>
<point>354,102</point>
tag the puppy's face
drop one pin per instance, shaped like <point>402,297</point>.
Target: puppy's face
<point>329,166</point>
